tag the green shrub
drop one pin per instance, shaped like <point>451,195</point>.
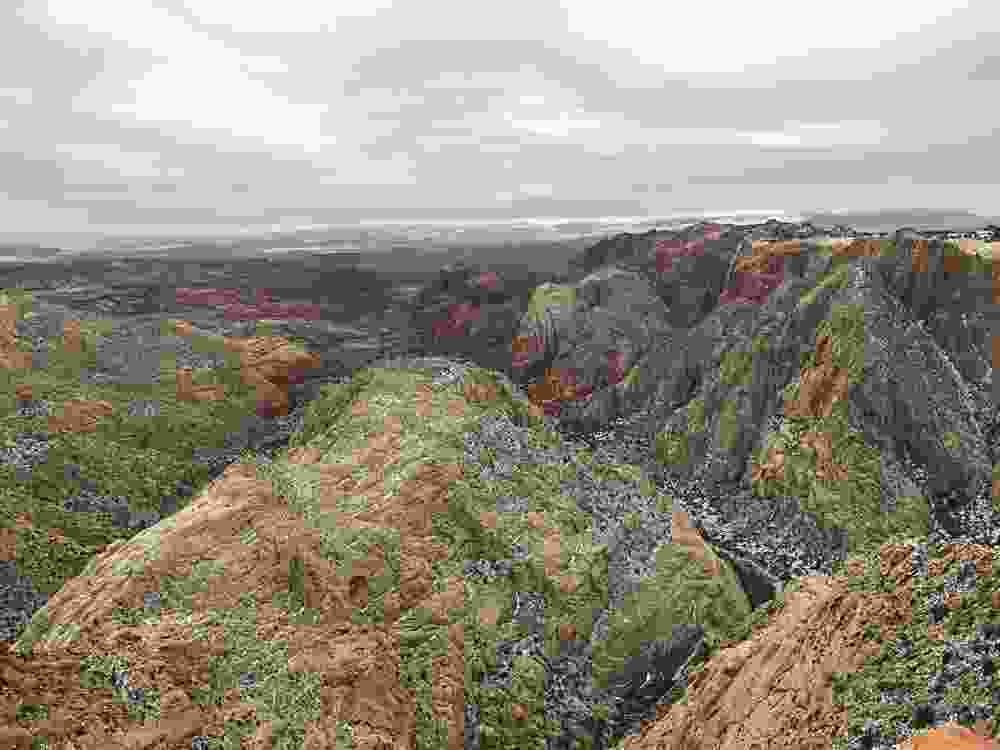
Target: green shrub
<point>696,415</point>
<point>671,448</point>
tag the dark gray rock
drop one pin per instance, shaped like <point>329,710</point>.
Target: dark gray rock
<point>908,393</point>
<point>919,279</point>
<point>759,585</point>
<point>19,600</point>
<point>646,681</point>
<point>613,323</point>
<point>613,250</point>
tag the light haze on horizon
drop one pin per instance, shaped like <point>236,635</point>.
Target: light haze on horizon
<point>130,117</point>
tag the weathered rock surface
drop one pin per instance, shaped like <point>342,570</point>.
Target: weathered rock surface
<point>743,355</point>
<point>864,367</point>
<point>596,330</point>
<point>269,364</point>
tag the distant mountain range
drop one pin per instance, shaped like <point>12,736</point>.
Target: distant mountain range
<point>886,221</point>
<point>371,239</point>
<point>28,250</point>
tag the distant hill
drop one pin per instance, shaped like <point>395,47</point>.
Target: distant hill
<point>918,218</point>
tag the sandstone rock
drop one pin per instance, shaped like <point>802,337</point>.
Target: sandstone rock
<point>10,357</point>
<point>684,535</point>
<point>71,336</point>
<point>905,377</point>
<point>903,385</point>
<point>765,342</point>
<point>79,415</point>
<point>820,443</point>
<point>187,391</point>
<point>269,363</point>
<point>356,663</point>
<point>821,386</point>
<point>921,277</point>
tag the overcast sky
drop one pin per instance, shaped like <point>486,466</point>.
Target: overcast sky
<point>127,116</point>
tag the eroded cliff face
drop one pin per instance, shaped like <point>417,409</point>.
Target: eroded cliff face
<point>841,387</point>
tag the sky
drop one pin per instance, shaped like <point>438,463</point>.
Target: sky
<point>135,116</point>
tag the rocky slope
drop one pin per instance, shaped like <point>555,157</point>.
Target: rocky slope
<point>807,400</point>
<point>713,492</point>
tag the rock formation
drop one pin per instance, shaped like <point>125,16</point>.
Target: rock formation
<point>268,363</point>
<point>782,522</point>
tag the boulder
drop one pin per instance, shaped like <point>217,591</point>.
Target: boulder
<point>269,363</point>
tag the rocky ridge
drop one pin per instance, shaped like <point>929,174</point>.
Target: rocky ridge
<point>634,421</point>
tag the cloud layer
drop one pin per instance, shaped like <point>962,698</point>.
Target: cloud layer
<point>125,115</point>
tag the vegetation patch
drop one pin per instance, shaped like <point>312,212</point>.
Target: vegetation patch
<point>547,296</point>
<point>835,278</point>
<point>672,448</point>
<point>681,591</point>
<point>852,503</point>
<point>138,458</point>
<point>860,691</point>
